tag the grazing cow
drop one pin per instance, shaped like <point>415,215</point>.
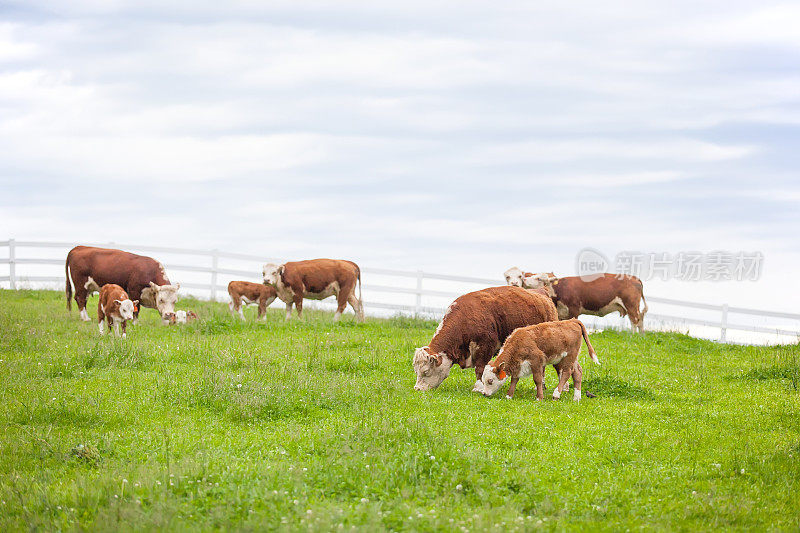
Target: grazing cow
<point>474,327</point>
<point>604,294</point>
<point>143,278</point>
<point>248,292</point>
<point>528,350</point>
<point>316,279</point>
<point>115,307</point>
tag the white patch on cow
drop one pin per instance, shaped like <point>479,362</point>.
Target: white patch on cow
<point>124,335</point>
<point>446,313</point>
<point>91,285</point>
<point>429,374</point>
<point>525,369</point>
<point>163,272</point>
<point>562,310</point>
<point>330,290</point>
<point>180,317</point>
<point>508,397</point>
<point>614,306</point>
<point>100,327</point>
<point>576,396</point>
<point>556,394</point>
<point>491,383</point>
<point>478,387</point>
<point>560,357</point>
<point>84,315</point>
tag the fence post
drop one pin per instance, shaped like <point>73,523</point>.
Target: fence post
<point>214,264</point>
<point>723,330</point>
<point>12,267</point>
<point>418,305</point>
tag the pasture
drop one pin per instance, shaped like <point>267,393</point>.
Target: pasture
<point>314,425</point>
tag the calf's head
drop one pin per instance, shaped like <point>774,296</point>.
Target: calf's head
<point>127,308</point>
<point>165,297</point>
<point>514,277</point>
<point>272,274</point>
<point>431,369</point>
<point>493,377</point>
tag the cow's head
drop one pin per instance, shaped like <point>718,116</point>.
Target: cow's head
<point>494,375</point>
<point>272,274</point>
<point>542,280</point>
<point>127,308</point>
<point>514,277</point>
<point>431,369</point>
<point>180,317</point>
<point>165,297</point>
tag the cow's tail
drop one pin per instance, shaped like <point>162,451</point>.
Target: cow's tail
<point>592,353</point>
<point>358,273</point>
<point>68,289</point>
<point>643,311</point>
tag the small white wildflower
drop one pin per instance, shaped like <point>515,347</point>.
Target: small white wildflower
<point>364,500</point>
<point>741,471</point>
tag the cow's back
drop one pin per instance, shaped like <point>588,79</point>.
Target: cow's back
<point>596,293</point>
<point>107,265</point>
<point>317,274</point>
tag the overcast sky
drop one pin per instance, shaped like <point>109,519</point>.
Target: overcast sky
<point>449,136</point>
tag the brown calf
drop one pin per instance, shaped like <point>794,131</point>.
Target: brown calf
<point>250,293</point>
<point>528,350</point>
<point>115,307</point>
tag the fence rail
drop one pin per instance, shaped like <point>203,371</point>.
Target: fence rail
<point>419,290</point>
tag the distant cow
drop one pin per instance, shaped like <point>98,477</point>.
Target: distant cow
<point>247,292</point>
<point>316,279</point>
<point>473,329</point>
<point>528,350</point>
<point>115,307</point>
<point>604,294</point>
<point>143,278</point>
<point>181,317</point>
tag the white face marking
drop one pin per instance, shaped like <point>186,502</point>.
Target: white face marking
<point>491,383</point>
<point>270,274</point>
<point>166,296</point>
<point>429,375</point>
<point>126,309</point>
<point>514,277</point>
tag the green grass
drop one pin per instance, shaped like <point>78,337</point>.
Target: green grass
<point>315,425</point>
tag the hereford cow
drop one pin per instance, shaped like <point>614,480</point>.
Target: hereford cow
<point>143,278</point>
<point>115,307</point>
<point>473,329</point>
<point>605,294</point>
<point>247,292</point>
<point>316,279</point>
<point>528,350</point>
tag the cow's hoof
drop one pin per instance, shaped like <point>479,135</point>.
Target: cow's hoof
<point>577,395</point>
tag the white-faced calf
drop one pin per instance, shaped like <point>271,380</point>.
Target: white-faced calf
<point>115,307</point>
<point>528,350</point>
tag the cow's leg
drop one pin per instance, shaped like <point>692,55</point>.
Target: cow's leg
<point>116,327</point>
<point>100,318</point>
<point>358,307</point>
<point>634,315</point>
<point>538,378</point>
<point>512,387</point>
<point>124,324</point>
<point>262,307</point>
<point>298,304</point>
<point>241,311</point>
<point>288,310</point>
<point>577,378</point>
<point>80,298</point>
<point>267,303</point>
<point>564,373</point>
<point>231,306</point>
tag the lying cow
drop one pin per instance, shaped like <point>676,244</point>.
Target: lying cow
<point>316,279</point>
<point>528,350</point>
<point>115,307</point>
<point>248,292</point>
<point>474,327</point>
<point>181,317</point>
<point>143,278</point>
<point>605,294</point>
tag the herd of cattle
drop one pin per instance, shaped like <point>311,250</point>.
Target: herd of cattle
<point>505,332</point>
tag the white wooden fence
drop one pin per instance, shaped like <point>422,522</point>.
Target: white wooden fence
<point>393,291</point>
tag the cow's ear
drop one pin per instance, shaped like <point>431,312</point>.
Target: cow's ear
<point>136,302</point>
<point>281,269</point>
<point>438,359</point>
<point>117,302</point>
<point>153,286</point>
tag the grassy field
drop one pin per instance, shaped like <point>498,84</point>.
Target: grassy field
<point>315,425</point>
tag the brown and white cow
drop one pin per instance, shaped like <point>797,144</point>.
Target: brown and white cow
<point>599,294</point>
<point>181,317</point>
<point>143,278</point>
<point>316,279</point>
<point>115,307</point>
<point>473,329</point>
<point>248,292</point>
<point>528,350</point>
